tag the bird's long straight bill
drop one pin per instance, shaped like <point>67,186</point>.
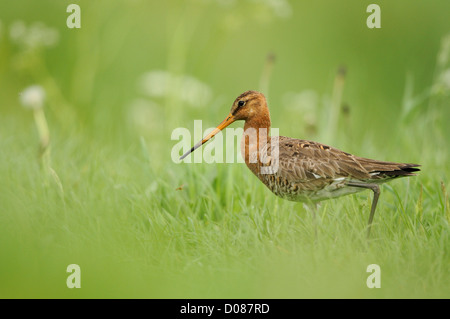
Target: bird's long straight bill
<point>228,120</point>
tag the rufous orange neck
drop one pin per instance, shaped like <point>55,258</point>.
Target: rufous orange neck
<point>256,135</point>
<point>257,122</point>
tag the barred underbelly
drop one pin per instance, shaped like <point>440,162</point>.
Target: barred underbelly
<point>315,190</point>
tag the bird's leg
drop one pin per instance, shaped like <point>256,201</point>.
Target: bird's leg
<point>312,207</point>
<point>376,193</point>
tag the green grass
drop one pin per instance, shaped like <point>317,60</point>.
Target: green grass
<point>142,226</point>
<point>222,235</point>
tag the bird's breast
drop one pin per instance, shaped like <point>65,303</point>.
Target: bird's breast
<point>312,190</point>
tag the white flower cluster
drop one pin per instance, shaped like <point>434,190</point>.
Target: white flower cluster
<point>189,89</point>
<point>33,36</point>
<point>32,97</point>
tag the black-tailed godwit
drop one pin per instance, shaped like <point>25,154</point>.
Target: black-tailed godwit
<point>300,170</point>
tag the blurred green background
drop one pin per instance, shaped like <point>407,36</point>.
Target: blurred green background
<point>116,89</point>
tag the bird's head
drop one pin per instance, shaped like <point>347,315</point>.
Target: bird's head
<point>247,106</point>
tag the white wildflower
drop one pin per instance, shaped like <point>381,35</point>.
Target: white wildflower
<point>51,37</point>
<point>194,92</point>
<point>36,35</point>
<point>188,89</point>
<point>41,35</point>
<point>155,83</point>
<point>33,97</point>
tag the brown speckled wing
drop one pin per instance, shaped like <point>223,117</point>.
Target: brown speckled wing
<point>302,161</point>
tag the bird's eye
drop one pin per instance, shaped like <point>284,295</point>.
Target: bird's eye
<point>241,103</point>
